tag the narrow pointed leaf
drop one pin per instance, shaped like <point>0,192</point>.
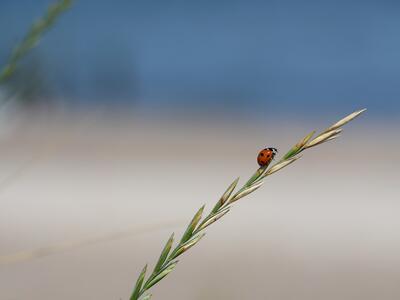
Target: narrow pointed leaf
<point>307,138</point>
<point>164,254</point>
<point>247,191</point>
<point>164,272</point>
<point>281,165</point>
<point>189,230</point>
<point>323,137</point>
<point>146,296</point>
<point>210,216</point>
<point>139,284</point>
<point>225,196</point>
<point>333,137</point>
<point>256,175</point>
<point>346,119</point>
<point>186,246</point>
<point>213,219</point>
<point>299,146</point>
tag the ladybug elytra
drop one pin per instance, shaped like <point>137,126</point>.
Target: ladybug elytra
<point>266,156</point>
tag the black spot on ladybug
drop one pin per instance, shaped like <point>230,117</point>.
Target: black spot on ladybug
<point>261,154</point>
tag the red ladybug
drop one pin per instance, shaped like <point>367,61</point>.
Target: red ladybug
<point>265,156</point>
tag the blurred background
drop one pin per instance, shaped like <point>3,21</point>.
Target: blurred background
<point>129,115</point>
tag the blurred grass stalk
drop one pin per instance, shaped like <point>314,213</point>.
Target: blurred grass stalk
<point>31,40</point>
<point>195,230</point>
<point>33,37</point>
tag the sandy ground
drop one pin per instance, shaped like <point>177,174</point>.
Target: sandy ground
<point>97,200</point>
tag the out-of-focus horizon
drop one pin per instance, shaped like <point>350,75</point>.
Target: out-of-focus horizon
<point>259,58</point>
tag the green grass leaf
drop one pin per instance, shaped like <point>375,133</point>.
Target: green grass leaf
<point>145,296</point>
<point>164,254</point>
<point>139,283</point>
<point>192,225</point>
<point>246,191</point>
<point>225,196</point>
<point>299,146</point>
<point>213,218</point>
<point>164,272</point>
<point>186,246</point>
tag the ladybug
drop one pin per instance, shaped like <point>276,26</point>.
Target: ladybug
<point>266,156</point>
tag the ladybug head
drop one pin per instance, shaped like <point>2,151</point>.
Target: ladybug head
<point>274,150</point>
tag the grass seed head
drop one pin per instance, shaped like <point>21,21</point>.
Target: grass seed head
<point>346,119</point>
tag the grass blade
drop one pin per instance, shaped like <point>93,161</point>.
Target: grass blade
<point>323,137</point>
<point>164,254</point>
<point>246,191</point>
<point>146,296</point>
<point>33,37</point>
<point>186,246</point>
<point>139,283</point>
<point>191,227</point>
<point>213,219</point>
<point>299,146</point>
<point>162,274</point>
<point>281,165</point>
<point>346,120</point>
<point>225,196</point>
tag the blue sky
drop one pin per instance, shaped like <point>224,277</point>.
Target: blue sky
<point>301,55</point>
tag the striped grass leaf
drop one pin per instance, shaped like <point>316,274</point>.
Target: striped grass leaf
<point>192,225</point>
<point>164,272</point>
<point>145,296</point>
<point>225,196</point>
<point>281,165</point>
<point>139,283</point>
<point>299,146</point>
<point>164,254</point>
<point>323,137</point>
<point>346,120</point>
<point>186,246</point>
<point>246,191</point>
<point>330,137</point>
<point>256,175</point>
<point>213,218</point>
<point>333,137</point>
